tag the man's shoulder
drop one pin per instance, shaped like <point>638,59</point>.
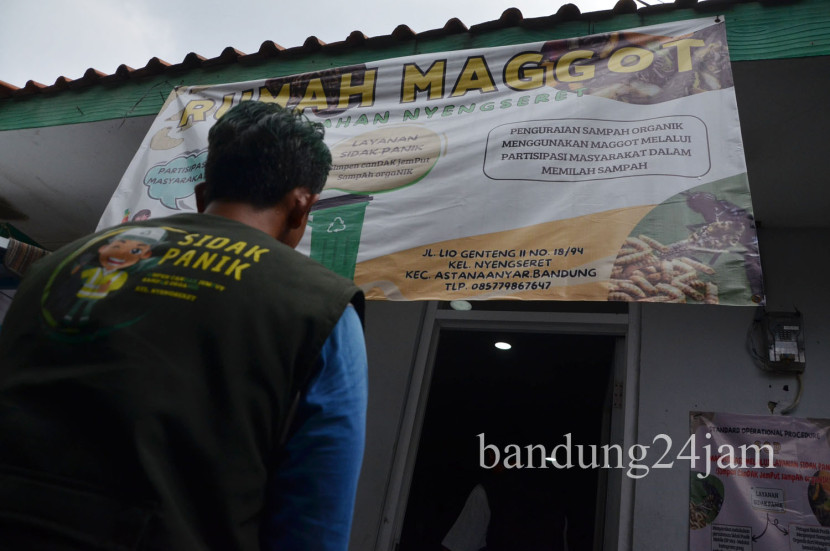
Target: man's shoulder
<point>208,234</point>
<point>200,220</point>
<point>292,264</point>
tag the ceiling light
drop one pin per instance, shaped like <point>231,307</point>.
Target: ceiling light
<point>503,345</point>
<point>462,305</point>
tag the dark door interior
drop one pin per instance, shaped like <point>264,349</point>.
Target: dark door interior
<point>544,387</point>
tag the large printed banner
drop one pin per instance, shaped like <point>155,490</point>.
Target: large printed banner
<point>741,507</point>
<point>604,167</point>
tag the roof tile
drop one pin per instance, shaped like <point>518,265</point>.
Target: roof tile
<point>403,32</point>
<point>625,6</point>
<point>124,70</point>
<point>31,88</point>
<point>511,17</point>
<point>62,83</point>
<point>355,39</point>
<point>270,48</point>
<point>313,44</point>
<point>568,12</point>
<point>192,60</point>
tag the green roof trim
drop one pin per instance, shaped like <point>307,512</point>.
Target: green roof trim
<point>755,31</point>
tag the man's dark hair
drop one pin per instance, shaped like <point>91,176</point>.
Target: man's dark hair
<point>258,152</point>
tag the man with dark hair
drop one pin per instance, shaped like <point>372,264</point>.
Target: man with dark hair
<point>246,163</point>
<point>214,400</point>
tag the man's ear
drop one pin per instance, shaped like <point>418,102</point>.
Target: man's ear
<point>199,190</point>
<point>300,201</point>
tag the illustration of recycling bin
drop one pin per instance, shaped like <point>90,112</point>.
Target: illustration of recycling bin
<point>336,224</point>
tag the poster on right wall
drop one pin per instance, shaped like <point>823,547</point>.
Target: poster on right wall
<point>762,483</point>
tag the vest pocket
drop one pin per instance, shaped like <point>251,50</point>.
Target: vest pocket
<point>39,511</point>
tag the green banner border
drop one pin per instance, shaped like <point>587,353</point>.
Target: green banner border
<point>755,31</point>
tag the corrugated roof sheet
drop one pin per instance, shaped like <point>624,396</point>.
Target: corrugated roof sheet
<point>511,17</point>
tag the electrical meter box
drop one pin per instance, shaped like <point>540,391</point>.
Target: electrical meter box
<point>783,339</point>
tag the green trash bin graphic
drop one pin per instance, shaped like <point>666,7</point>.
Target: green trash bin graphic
<point>336,224</point>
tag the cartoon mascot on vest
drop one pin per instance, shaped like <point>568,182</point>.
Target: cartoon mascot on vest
<point>109,274</point>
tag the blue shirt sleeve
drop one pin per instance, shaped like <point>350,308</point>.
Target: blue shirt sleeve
<point>311,493</point>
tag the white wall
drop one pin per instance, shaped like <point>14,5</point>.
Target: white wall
<point>694,358</point>
<point>392,333</point>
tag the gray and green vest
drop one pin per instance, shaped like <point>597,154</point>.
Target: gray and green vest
<point>147,374</point>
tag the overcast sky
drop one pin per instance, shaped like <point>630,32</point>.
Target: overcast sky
<point>41,40</point>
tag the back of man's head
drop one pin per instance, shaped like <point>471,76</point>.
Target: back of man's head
<point>258,152</point>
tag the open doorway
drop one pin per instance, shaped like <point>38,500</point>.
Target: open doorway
<point>544,387</point>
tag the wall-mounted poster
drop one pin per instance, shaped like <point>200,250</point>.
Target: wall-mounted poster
<point>607,167</point>
<point>774,497</point>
